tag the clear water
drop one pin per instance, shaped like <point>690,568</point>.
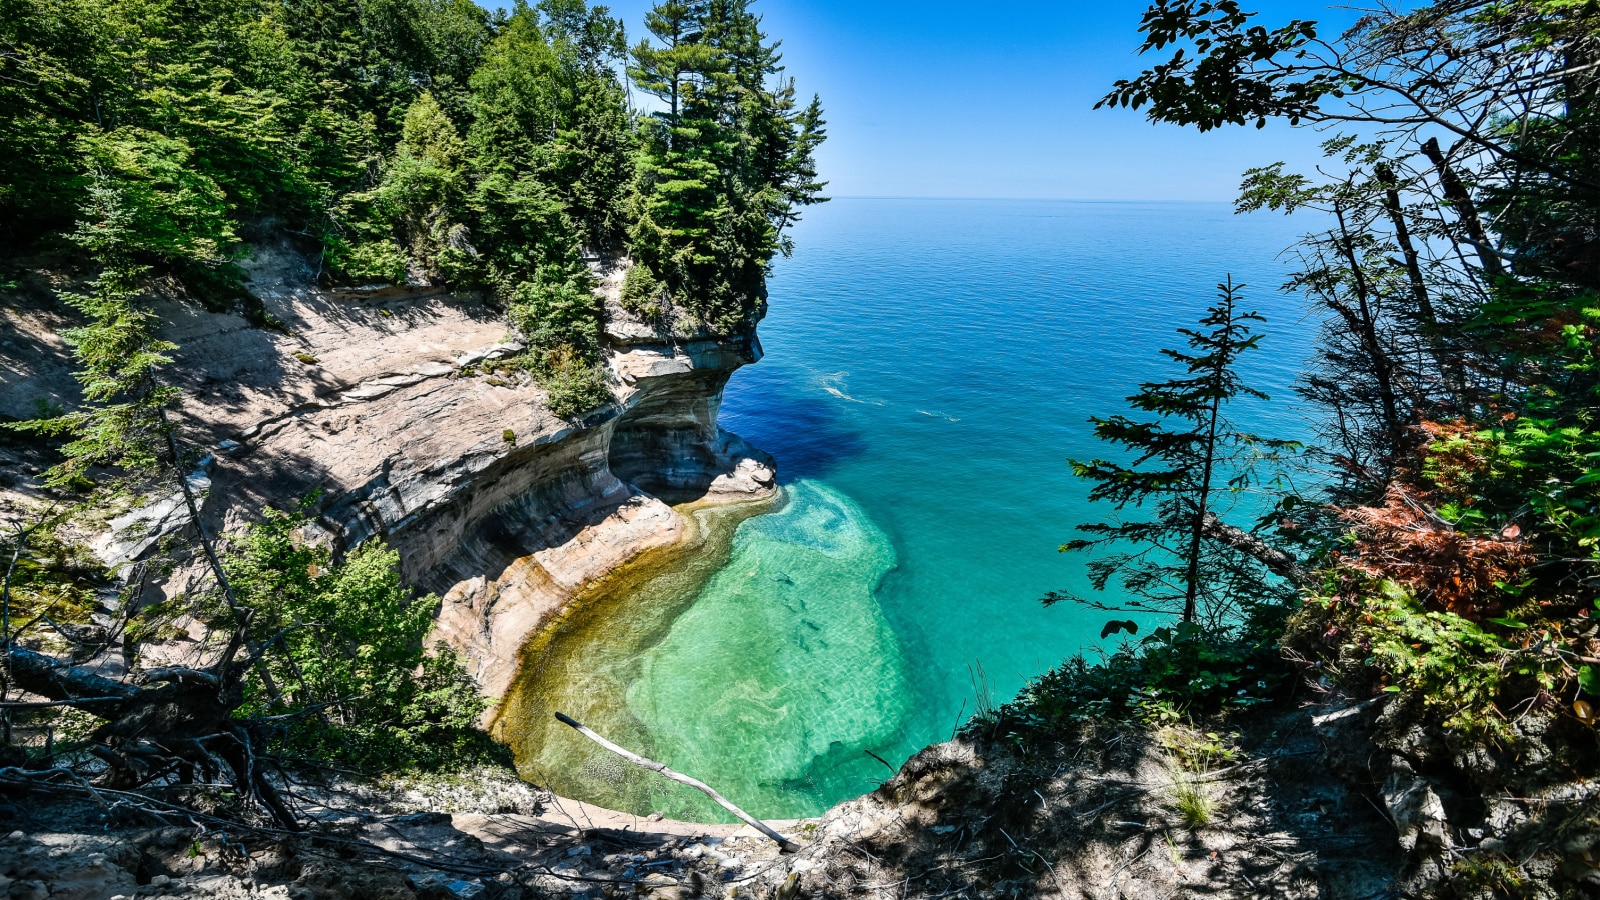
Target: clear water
<point>930,367</point>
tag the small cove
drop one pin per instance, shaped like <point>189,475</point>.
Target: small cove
<point>930,367</point>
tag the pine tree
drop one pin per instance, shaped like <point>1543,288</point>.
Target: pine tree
<point>1186,459</point>
<point>119,348</point>
<point>665,70</point>
<point>726,166</point>
<point>593,160</point>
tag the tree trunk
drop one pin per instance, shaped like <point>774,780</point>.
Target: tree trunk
<point>48,677</point>
<point>1191,596</point>
<point>1456,193</point>
<point>1426,316</point>
<point>1367,331</point>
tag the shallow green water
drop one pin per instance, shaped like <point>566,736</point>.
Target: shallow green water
<point>784,661</point>
<point>930,367</point>
<point>779,657</point>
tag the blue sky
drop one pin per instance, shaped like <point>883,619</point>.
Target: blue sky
<point>939,99</point>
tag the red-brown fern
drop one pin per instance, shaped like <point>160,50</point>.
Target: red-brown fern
<point>1407,541</point>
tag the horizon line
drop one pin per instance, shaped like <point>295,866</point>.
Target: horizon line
<point>1029,199</point>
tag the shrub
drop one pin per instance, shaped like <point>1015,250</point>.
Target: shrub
<point>1175,672</point>
<point>1379,637</point>
<point>368,261</point>
<point>557,312</point>
<point>573,385</point>
<point>642,292</point>
<point>355,679</point>
<point>559,316</point>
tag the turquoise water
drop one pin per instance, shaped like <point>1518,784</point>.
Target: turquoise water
<point>930,366</point>
<point>785,660</point>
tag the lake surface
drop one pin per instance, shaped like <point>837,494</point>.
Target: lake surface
<point>930,367</point>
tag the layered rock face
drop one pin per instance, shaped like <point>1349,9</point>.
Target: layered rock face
<point>579,502</point>
<point>381,404</point>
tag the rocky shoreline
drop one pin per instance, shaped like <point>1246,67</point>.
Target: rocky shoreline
<point>1096,817</point>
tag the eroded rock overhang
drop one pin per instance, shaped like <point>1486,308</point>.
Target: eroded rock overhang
<point>382,406</point>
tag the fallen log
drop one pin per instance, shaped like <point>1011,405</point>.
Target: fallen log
<point>179,722</point>
<point>784,843</point>
<point>51,678</point>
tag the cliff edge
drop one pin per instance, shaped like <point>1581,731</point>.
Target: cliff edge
<point>394,411</point>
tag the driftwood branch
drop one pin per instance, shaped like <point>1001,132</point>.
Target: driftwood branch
<point>783,843</point>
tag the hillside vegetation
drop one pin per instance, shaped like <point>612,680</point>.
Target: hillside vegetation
<point>413,141</point>
<point>1434,555</point>
<point>416,145</point>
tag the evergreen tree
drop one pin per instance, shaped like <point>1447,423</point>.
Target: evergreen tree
<point>667,71</point>
<point>119,349</point>
<point>725,168</point>
<point>1185,462</point>
<point>593,152</point>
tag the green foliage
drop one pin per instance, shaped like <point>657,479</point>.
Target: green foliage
<point>1192,755</point>
<point>517,96</point>
<point>557,313</point>
<point>1455,536</point>
<point>346,650</point>
<point>146,198</point>
<point>727,167</point>
<point>1175,672</point>
<point>1187,461</point>
<point>122,423</point>
<point>40,75</point>
<point>53,577</point>
<point>592,162</point>
<point>641,292</point>
<point>560,319</point>
<point>407,140</point>
<point>571,384</point>
<point>1541,464</point>
<point>1194,750</point>
<point>379,260</point>
<point>417,205</point>
<point>1193,804</point>
<point>1461,671</point>
<point>1223,83</point>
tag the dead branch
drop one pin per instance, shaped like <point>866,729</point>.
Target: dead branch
<point>1277,562</point>
<point>784,843</point>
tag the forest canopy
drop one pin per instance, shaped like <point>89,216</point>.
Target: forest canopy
<point>411,141</point>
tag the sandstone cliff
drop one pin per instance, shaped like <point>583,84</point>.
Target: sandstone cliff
<point>386,404</point>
